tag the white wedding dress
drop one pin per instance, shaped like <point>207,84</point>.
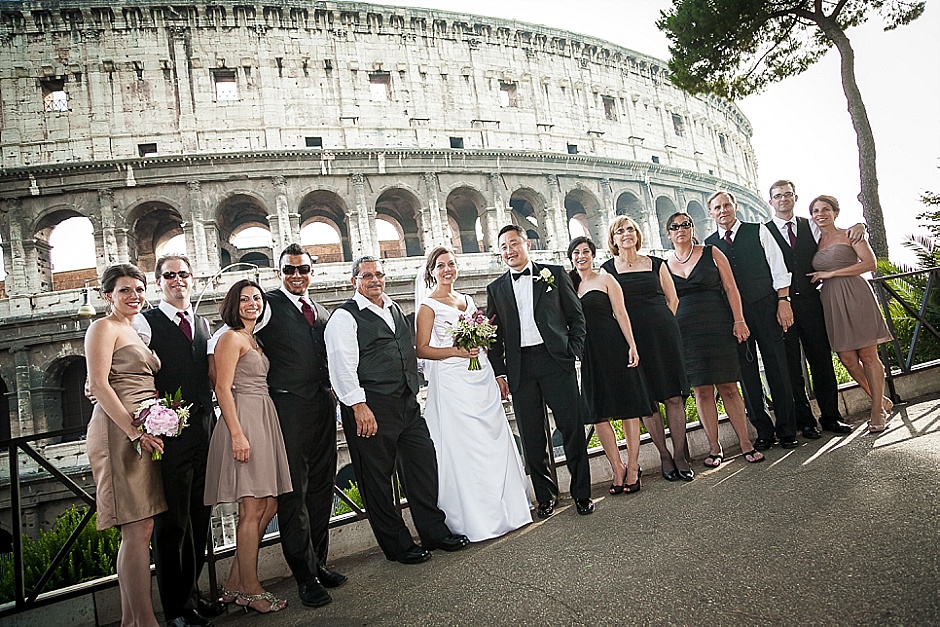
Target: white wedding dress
<point>483,486</point>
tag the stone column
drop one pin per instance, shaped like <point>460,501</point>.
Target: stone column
<point>14,252</point>
<point>212,246</point>
<point>363,237</point>
<point>434,218</point>
<point>178,47</point>
<point>199,253</point>
<point>106,245</point>
<point>608,210</point>
<point>496,216</point>
<point>24,397</point>
<point>285,234</point>
<point>554,212</point>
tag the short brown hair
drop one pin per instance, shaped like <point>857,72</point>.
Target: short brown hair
<point>827,199</point>
<point>432,260</point>
<point>615,224</point>
<point>781,183</point>
<point>228,310</point>
<point>158,269</point>
<point>112,273</point>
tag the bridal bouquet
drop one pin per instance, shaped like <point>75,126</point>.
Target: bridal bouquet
<point>162,416</point>
<point>473,331</point>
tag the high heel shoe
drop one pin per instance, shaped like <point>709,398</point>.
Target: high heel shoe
<point>274,604</point>
<point>630,488</point>
<point>887,404</point>
<point>228,596</point>
<point>876,427</point>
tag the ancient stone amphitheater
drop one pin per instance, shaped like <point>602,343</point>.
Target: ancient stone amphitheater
<point>206,120</point>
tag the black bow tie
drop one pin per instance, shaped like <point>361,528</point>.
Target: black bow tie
<point>526,272</point>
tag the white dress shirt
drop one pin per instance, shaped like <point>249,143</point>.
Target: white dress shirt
<point>143,327</point>
<point>342,347</point>
<point>523,290</point>
<point>772,253</point>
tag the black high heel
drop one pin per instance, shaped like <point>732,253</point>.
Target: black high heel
<point>630,488</point>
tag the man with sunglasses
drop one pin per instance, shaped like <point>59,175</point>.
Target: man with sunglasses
<point>179,338</point>
<point>374,371</point>
<point>291,333</point>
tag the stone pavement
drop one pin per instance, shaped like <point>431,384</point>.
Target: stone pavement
<point>842,530</point>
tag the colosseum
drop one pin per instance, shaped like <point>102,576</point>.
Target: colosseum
<point>230,129</point>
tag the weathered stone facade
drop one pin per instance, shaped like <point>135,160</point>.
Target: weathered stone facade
<point>153,120</point>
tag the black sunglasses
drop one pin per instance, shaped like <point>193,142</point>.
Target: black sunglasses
<point>290,270</point>
<point>680,225</point>
<point>169,276</point>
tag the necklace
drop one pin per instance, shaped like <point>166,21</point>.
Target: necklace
<point>630,263</point>
<point>675,254</point>
<point>251,338</point>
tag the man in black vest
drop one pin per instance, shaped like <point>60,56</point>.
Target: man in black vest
<point>178,337</point>
<point>797,243</point>
<point>291,333</point>
<point>374,372</point>
<point>764,283</point>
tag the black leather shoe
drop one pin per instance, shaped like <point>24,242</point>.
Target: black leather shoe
<point>414,555</point>
<point>209,609</point>
<point>686,475</point>
<point>672,475</point>
<point>762,444</point>
<point>810,433</point>
<point>453,542</point>
<point>585,506</point>
<point>189,618</point>
<point>836,427</point>
<point>330,578</point>
<point>546,509</point>
<point>789,442</point>
<point>312,594</point>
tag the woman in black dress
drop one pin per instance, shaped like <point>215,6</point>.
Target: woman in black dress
<point>613,387</point>
<point>706,288</point>
<point>651,300</point>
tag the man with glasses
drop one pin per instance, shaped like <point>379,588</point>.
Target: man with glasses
<point>374,371</point>
<point>179,337</point>
<point>797,239</point>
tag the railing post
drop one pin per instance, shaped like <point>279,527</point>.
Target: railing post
<point>16,522</point>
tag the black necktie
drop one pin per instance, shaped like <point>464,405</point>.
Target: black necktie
<point>526,272</point>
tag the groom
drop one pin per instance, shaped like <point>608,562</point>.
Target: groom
<point>540,332</point>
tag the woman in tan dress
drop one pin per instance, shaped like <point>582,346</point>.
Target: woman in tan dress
<point>853,320</point>
<point>129,489</point>
<point>247,460</point>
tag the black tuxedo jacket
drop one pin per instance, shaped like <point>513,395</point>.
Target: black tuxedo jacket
<point>558,317</point>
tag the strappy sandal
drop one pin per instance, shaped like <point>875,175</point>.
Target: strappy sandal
<point>714,460</point>
<point>274,604</point>
<point>753,456</point>
<point>228,596</point>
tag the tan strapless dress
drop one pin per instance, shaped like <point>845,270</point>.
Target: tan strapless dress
<point>129,486</point>
<point>266,473</point>
<point>853,318</point>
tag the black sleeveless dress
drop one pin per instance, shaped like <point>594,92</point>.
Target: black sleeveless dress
<point>706,324</point>
<point>654,329</point>
<point>611,389</point>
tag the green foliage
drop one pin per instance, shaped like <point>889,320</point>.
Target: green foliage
<point>94,555</point>
<point>734,48</point>
<point>842,375</point>
<point>340,507</point>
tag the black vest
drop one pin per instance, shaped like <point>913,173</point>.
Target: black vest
<point>799,259</point>
<point>388,363</point>
<point>184,366</point>
<point>751,272</point>
<point>296,350</point>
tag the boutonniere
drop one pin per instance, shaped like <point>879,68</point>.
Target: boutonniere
<point>546,277</point>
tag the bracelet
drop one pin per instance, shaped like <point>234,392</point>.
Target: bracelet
<point>739,322</point>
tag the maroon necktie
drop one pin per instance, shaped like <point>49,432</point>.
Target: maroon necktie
<point>728,238</point>
<point>791,235</point>
<point>185,327</point>
<point>307,310</point>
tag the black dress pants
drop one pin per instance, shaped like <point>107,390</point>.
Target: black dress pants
<point>766,334</point>
<point>403,435</point>
<point>309,429</point>
<point>544,381</point>
<point>809,329</point>
<point>180,533</point>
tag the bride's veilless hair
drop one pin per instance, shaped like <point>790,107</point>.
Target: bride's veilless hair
<point>432,260</point>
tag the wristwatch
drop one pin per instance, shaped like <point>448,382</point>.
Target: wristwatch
<point>786,298</point>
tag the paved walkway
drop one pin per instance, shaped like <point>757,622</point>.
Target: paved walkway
<point>842,530</point>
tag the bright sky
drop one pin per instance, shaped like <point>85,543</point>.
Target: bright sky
<point>802,129</point>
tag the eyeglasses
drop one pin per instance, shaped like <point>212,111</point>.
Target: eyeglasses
<point>675,226</point>
<point>368,276</point>
<point>290,270</point>
<point>169,276</point>
<point>623,230</point>
<point>787,195</point>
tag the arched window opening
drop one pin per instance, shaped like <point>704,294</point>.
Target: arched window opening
<point>391,237</point>
<point>322,239</point>
<point>76,408</point>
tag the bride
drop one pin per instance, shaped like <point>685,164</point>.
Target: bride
<point>483,487</point>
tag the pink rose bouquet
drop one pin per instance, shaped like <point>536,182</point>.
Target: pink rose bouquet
<point>473,331</point>
<point>166,416</point>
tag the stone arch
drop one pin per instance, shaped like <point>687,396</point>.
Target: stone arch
<point>402,209</point>
<point>39,251</point>
<point>390,247</point>
<point>327,207</point>
<point>323,239</point>
<point>65,378</point>
<point>152,223</point>
<point>628,204</point>
<point>583,206</point>
<point>234,215</point>
<point>465,205</point>
<point>527,209</point>
<point>665,207</point>
<point>699,217</point>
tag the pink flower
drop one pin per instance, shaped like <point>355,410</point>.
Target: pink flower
<point>162,421</point>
